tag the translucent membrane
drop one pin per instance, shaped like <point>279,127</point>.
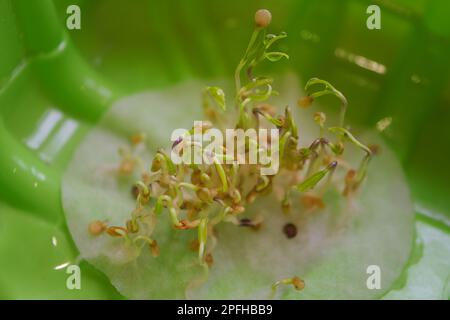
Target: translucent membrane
<point>331,252</point>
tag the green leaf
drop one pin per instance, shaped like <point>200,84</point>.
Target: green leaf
<point>312,181</point>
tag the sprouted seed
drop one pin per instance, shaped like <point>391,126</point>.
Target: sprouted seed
<point>295,281</point>
<point>198,200</point>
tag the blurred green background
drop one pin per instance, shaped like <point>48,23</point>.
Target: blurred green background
<point>55,83</point>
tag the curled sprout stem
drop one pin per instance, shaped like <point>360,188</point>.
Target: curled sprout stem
<point>329,90</point>
<point>362,171</point>
<point>346,134</point>
<point>190,186</point>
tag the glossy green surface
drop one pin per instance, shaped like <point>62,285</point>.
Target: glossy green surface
<point>55,83</point>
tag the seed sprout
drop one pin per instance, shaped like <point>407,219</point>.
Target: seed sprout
<point>295,281</point>
<point>199,197</point>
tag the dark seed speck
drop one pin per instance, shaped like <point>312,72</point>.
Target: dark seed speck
<point>290,230</point>
<point>246,222</point>
<point>134,191</point>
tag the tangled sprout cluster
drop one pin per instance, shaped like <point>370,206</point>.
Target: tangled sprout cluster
<point>202,196</point>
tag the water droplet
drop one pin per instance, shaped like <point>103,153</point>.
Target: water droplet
<point>54,241</point>
<point>61,266</point>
